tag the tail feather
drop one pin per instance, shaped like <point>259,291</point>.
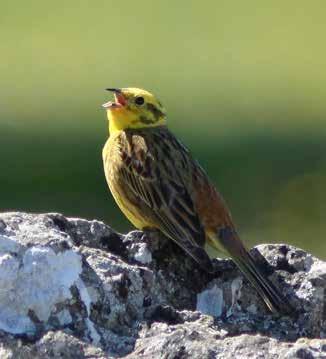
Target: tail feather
<point>275,301</point>
<point>228,240</point>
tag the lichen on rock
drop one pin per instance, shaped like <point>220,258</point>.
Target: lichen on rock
<point>74,288</point>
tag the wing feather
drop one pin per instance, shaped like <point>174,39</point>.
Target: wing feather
<point>162,183</point>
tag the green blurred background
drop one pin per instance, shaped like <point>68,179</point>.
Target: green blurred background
<point>244,84</point>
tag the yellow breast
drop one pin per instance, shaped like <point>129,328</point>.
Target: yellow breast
<point>112,163</point>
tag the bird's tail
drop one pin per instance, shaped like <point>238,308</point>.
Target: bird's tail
<point>273,298</point>
<point>275,301</point>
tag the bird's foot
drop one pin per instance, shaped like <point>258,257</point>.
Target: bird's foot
<point>149,236</point>
<point>133,236</point>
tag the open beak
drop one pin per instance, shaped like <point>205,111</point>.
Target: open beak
<point>119,102</point>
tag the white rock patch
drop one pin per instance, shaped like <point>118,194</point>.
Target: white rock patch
<point>236,294</point>
<point>85,297</point>
<point>143,255</point>
<point>8,245</point>
<point>210,301</point>
<point>34,281</point>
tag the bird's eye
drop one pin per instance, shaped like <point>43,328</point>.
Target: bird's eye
<point>139,101</point>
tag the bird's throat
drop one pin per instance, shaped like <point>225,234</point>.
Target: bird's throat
<point>120,120</point>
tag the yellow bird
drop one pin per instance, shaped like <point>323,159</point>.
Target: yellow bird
<point>157,184</point>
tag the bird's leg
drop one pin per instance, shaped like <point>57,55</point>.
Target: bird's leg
<point>147,235</point>
<point>133,235</point>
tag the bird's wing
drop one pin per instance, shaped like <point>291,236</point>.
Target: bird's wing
<point>158,176</point>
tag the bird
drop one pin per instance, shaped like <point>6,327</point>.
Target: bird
<point>158,185</point>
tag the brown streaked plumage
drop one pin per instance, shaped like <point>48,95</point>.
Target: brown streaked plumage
<point>157,184</point>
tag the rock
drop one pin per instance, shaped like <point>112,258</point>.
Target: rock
<point>56,344</point>
<point>204,339</point>
<point>72,288</point>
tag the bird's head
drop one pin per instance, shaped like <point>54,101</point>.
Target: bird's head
<point>133,108</point>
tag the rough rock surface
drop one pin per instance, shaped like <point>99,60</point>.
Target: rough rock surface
<point>72,288</point>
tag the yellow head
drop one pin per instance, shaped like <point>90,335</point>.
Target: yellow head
<point>134,108</point>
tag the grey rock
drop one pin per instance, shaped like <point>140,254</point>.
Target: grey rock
<point>203,338</point>
<point>72,288</point>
